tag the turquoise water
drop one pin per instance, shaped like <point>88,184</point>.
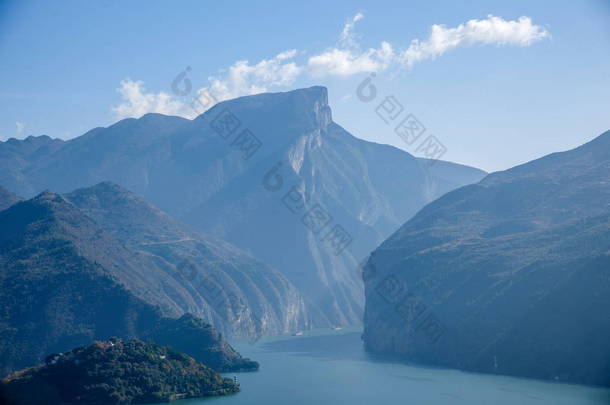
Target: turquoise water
<point>330,367</point>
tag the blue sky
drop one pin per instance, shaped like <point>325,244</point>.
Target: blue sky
<point>496,92</point>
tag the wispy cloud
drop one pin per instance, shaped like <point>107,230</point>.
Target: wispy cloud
<point>347,62</point>
<point>19,127</point>
<point>491,31</point>
<point>137,102</point>
<point>347,37</point>
<point>242,79</point>
<point>245,79</point>
<point>342,60</point>
<point>348,58</point>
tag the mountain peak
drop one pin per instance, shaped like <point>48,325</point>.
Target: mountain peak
<point>109,196</point>
<point>33,140</point>
<point>108,185</point>
<point>319,93</point>
<point>305,107</point>
<point>313,94</point>
<point>49,196</point>
<point>590,158</point>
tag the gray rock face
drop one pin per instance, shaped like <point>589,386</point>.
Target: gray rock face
<point>511,275</point>
<point>271,174</point>
<point>362,187</point>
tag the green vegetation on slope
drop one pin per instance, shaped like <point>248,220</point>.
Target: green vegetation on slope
<point>116,372</point>
<point>201,341</point>
<point>57,292</point>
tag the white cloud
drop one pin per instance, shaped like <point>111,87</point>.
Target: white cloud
<point>241,79</point>
<point>347,35</point>
<point>348,58</point>
<point>346,62</point>
<point>245,79</point>
<point>493,30</point>
<point>19,127</point>
<point>137,102</point>
<point>345,59</point>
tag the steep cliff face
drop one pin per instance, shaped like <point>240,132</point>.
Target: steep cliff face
<point>322,197</point>
<point>185,271</point>
<point>506,276</point>
<point>271,174</point>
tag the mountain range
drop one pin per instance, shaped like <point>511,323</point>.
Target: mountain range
<point>272,174</point>
<point>254,217</point>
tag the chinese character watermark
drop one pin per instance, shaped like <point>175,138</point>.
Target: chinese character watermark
<point>409,307</point>
<point>225,124</point>
<point>312,215</point>
<point>226,304</point>
<point>406,126</point>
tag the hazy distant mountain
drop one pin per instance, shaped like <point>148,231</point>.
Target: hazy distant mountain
<point>18,156</point>
<point>59,289</point>
<point>216,173</point>
<point>511,275</point>
<point>7,198</point>
<point>187,271</point>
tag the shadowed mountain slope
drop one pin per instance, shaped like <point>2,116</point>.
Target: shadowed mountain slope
<point>509,275</point>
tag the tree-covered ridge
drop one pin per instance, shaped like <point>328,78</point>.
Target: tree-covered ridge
<point>115,372</point>
<point>200,340</point>
<point>57,292</point>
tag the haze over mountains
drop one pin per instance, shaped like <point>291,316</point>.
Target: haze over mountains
<point>184,271</point>
<point>510,275</point>
<point>216,173</point>
<point>263,207</point>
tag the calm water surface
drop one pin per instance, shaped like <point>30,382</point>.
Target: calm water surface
<point>330,367</point>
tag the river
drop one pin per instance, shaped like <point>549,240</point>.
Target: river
<point>331,367</point>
